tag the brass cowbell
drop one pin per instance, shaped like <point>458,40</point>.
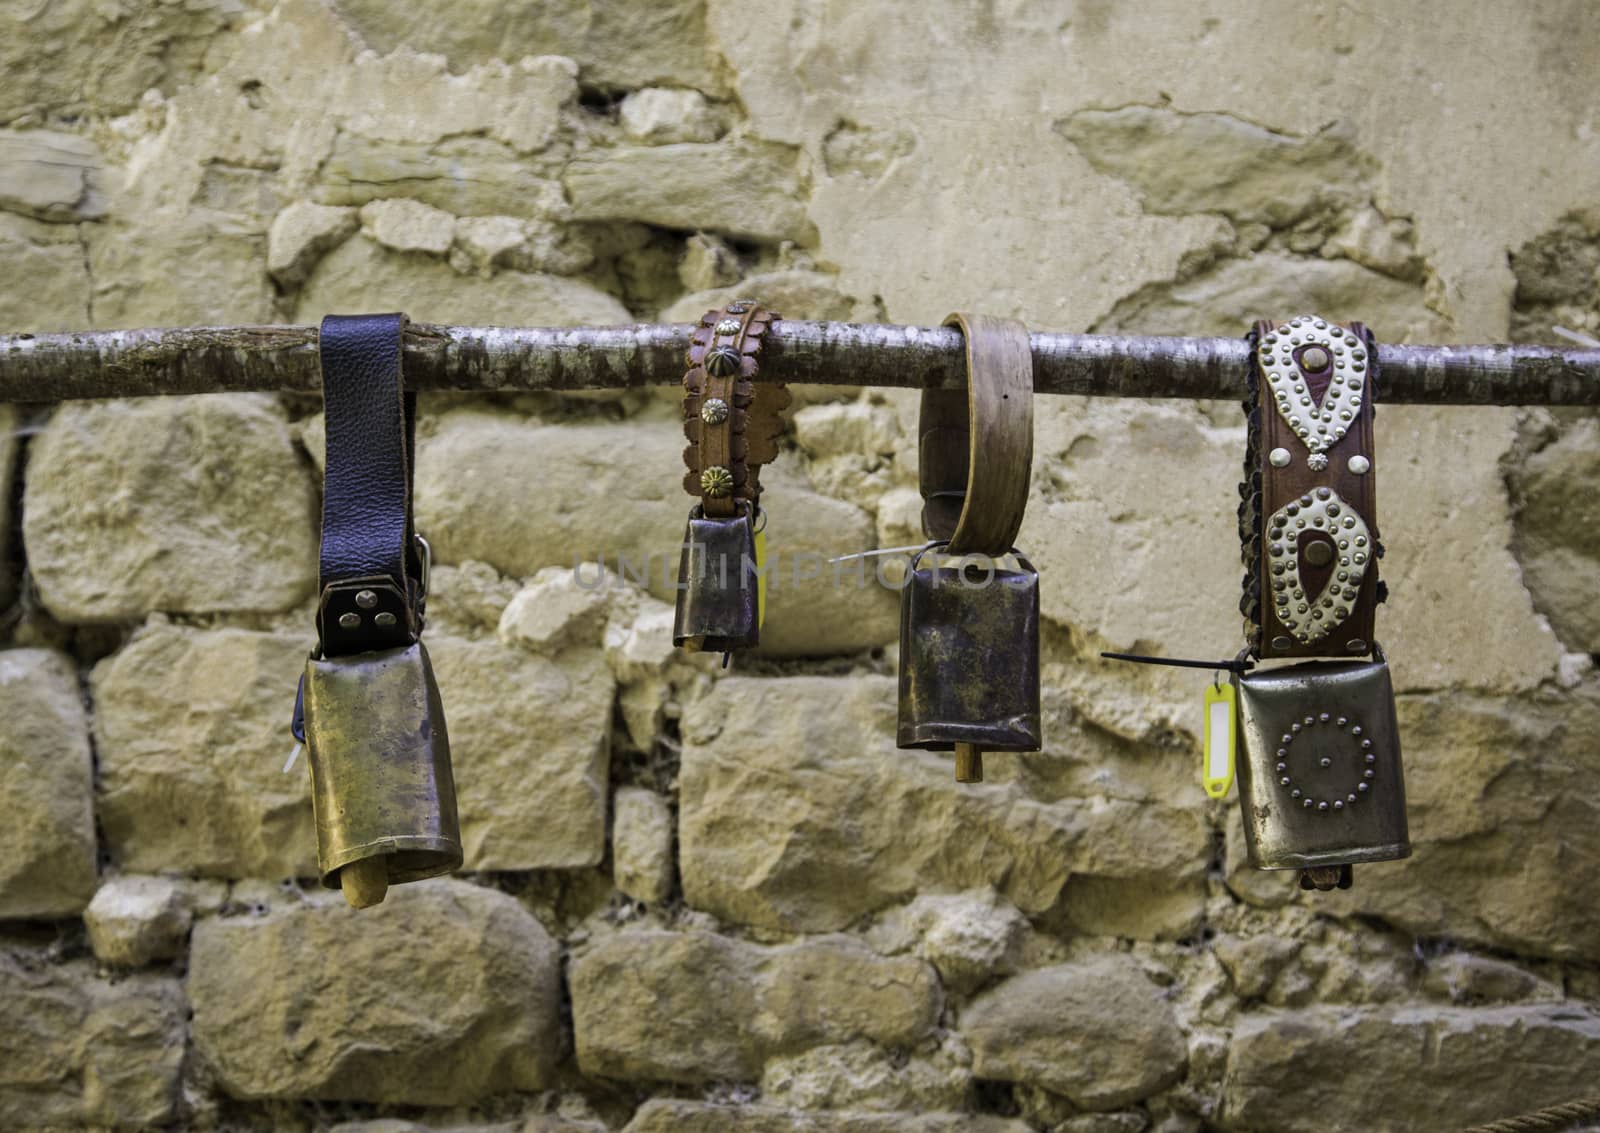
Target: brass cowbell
<point>969,632</point>
<point>369,710</point>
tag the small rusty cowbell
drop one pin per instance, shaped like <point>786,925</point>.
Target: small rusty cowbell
<point>732,423</point>
<point>969,632</point>
<point>370,712</point>
<point>969,660</point>
<point>718,607</point>
<point>1320,780</point>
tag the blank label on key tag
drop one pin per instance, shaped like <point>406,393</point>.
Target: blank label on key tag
<point>761,576</point>
<point>1222,736</point>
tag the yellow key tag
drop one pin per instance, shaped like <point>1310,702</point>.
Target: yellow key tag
<point>761,576</point>
<point>1222,731</point>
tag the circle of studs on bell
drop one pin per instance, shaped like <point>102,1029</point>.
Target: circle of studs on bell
<point>716,482</point>
<point>714,411</point>
<point>1322,806</point>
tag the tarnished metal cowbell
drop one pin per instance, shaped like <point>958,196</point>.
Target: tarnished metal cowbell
<point>969,660</point>
<point>381,785</point>
<point>1321,783</point>
<point>718,607</point>
<point>969,633</point>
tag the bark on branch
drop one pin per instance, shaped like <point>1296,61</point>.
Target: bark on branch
<point>143,363</point>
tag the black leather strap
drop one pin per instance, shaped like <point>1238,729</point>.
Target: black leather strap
<point>371,567</point>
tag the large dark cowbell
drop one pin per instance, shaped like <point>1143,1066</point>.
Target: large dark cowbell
<point>380,765</point>
<point>969,659</point>
<point>1320,783</point>
<point>718,606</point>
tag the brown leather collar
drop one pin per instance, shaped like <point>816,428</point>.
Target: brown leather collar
<point>975,455</point>
<point>1311,532</point>
<point>732,422</point>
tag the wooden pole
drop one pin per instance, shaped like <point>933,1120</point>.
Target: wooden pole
<point>145,363</point>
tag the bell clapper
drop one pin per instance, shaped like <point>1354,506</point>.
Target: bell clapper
<point>969,763</point>
<point>365,882</point>
<point>1324,878</point>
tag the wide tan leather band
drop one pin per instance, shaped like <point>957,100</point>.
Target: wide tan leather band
<point>976,448</point>
<point>1312,549</point>
<point>732,422</point>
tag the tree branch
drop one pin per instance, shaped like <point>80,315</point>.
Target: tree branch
<point>143,363</point>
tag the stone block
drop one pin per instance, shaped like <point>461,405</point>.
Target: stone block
<point>442,995</point>
<point>183,504</point>
<point>641,845</point>
<point>47,842</point>
<point>1404,1067</point>
<point>797,813</point>
<point>192,730</point>
<point>748,189</point>
<point>78,1051</point>
<point>697,1007</point>
<point>134,920</point>
<point>1099,1033</point>
<point>530,744</point>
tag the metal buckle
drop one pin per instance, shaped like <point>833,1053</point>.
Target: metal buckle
<point>426,559</point>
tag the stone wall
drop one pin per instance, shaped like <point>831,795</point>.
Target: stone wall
<point>722,901</point>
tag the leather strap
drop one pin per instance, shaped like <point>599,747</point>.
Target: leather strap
<point>1311,536</point>
<point>975,454</point>
<point>371,566</point>
<point>732,422</point>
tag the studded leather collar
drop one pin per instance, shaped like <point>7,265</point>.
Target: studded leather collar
<point>1309,517</point>
<point>732,421</point>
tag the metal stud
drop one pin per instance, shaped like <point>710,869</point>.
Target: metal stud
<point>723,362</point>
<point>714,411</point>
<point>384,620</point>
<point>728,326</point>
<point>716,481</point>
<point>349,620</point>
<point>1279,457</point>
<point>1359,464</point>
<point>366,599</point>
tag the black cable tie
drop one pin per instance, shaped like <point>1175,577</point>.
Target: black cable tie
<point>1237,665</point>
